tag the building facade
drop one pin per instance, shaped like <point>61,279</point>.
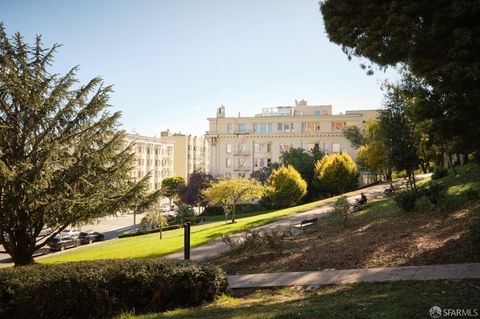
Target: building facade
<point>152,154</point>
<point>191,153</point>
<point>242,145</point>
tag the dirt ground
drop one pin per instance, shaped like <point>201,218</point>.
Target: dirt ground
<point>380,236</point>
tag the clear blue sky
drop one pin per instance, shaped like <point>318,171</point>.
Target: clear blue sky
<point>174,62</point>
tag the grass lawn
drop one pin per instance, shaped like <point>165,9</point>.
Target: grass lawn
<point>380,236</point>
<point>150,246</point>
<point>366,300</point>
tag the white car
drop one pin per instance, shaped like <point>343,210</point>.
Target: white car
<point>70,232</point>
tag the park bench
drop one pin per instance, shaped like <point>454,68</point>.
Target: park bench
<point>305,224</point>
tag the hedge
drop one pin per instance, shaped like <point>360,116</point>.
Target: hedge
<point>99,289</point>
<point>144,232</point>
<point>241,208</point>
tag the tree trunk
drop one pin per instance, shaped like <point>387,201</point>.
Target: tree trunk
<point>22,252</point>
<point>451,164</point>
<point>161,228</point>
<point>234,211</point>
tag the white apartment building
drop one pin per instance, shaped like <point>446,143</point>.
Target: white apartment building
<point>191,153</point>
<point>242,145</point>
<point>152,154</point>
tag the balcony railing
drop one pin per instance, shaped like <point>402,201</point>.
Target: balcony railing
<point>241,168</point>
<point>242,153</point>
<point>239,132</point>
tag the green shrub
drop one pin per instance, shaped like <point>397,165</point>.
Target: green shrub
<point>145,232</point>
<point>406,199</point>
<point>474,234</point>
<point>252,242</point>
<point>99,289</point>
<point>286,187</point>
<point>340,210</point>
<point>439,172</point>
<point>434,192</point>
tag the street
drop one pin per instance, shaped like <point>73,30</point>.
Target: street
<point>111,227</point>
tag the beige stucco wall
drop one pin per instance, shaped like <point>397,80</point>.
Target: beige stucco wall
<point>325,135</point>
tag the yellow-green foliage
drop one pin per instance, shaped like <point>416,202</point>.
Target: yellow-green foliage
<point>286,187</point>
<point>336,173</point>
<point>228,192</point>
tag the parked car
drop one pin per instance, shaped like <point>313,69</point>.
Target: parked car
<point>42,251</point>
<point>90,237</point>
<point>62,243</point>
<point>70,232</point>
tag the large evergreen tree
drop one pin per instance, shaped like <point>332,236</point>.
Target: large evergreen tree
<point>63,160</point>
<point>438,42</point>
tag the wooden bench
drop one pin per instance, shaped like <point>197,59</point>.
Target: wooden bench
<point>305,224</point>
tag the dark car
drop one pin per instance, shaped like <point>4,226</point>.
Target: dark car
<point>62,243</point>
<point>90,237</point>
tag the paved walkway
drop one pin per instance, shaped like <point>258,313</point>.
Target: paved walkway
<point>217,247</point>
<point>329,277</point>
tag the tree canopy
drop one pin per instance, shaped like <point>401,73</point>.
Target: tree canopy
<point>170,186</point>
<point>286,187</point>
<point>436,41</point>
<point>398,131</point>
<point>191,193</point>
<point>229,192</point>
<point>336,173</point>
<point>63,159</point>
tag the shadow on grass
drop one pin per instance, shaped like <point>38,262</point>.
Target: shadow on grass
<point>367,300</point>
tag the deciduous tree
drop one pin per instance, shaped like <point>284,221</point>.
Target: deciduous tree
<point>229,192</point>
<point>170,186</point>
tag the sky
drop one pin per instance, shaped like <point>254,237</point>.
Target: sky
<point>174,62</point>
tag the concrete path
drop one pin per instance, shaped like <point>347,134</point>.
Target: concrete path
<point>329,277</point>
<point>217,247</point>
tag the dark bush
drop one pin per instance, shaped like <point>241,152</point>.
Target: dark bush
<point>474,234</point>
<point>145,232</point>
<point>434,192</point>
<point>241,208</point>
<point>439,172</point>
<point>472,193</point>
<point>99,289</point>
<point>406,199</point>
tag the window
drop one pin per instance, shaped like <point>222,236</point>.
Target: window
<point>228,162</point>
<point>229,148</point>
<point>309,146</point>
<point>262,147</point>
<point>285,127</point>
<point>241,162</point>
<point>317,113</point>
<point>262,162</point>
<point>242,128</point>
<point>310,127</point>
<point>335,147</point>
<point>337,125</point>
<point>229,128</point>
<point>262,128</point>
<point>241,147</point>
<point>285,147</point>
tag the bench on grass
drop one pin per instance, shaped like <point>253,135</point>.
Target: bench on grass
<point>305,224</point>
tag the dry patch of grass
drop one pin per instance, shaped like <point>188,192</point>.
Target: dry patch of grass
<point>379,236</point>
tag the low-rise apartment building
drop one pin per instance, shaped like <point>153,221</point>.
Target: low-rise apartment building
<point>191,153</point>
<point>152,154</point>
<point>242,145</point>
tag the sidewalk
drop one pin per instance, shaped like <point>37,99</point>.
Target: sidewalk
<point>329,277</point>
